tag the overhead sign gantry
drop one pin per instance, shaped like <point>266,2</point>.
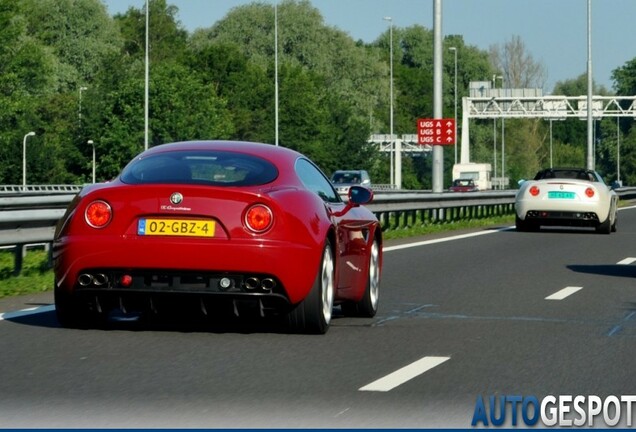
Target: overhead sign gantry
<point>491,103</point>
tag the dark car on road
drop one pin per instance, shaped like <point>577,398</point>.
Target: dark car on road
<point>463,185</point>
<point>344,179</point>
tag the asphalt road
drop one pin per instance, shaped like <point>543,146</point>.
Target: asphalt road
<point>467,317</point>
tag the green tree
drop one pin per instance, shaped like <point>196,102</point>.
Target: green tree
<point>167,37</point>
<point>26,74</point>
<point>524,151</point>
<point>183,108</point>
<point>80,33</point>
<point>573,130</point>
<point>624,78</point>
<point>349,70</point>
<point>247,88</point>
<point>570,135</point>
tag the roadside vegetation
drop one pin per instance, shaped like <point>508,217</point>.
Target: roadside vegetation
<point>86,84</point>
<point>37,275</point>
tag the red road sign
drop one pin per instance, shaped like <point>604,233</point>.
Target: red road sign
<point>436,131</point>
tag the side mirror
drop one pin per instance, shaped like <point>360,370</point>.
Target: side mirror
<point>360,195</point>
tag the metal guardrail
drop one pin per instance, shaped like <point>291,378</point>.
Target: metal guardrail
<point>403,210</point>
<point>38,189</point>
<point>30,217</point>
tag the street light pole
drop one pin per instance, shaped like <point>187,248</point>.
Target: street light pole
<point>454,49</point>
<point>551,143</point>
<point>503,136</point>
<point>494,132</point>
<point>438,108</point>
<point>494,152</point>
<point>276,72</point>
<point>147,78</point>
<point>590,85</point>
<point>24,159</point>
<point>618,151</point>
<point>390,20</point>
<point>93,144</point>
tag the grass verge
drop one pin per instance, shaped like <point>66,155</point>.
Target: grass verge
<point>37,275</point>
<point>420,230</point>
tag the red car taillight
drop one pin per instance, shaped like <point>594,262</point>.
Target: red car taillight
<point>259,218</point>
<point>98,214</point>
<point>534,191</point>
<point>589,192</point>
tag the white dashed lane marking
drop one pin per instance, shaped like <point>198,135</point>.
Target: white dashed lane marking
<point>626,261</point>
<point>405,374</point>
<point>565,292</point>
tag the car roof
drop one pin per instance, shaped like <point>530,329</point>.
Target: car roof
<point>266,151</point>
<point>281,157</point>
<point>566,172</point>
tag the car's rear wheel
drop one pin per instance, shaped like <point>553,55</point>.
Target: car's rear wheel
<point>368,305</point>
<point>69,313</point>
<point>522,225</point>
<point>313,314</point>
<point>526,225</point>
<point>605,227</point>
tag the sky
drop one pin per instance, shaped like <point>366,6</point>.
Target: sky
<point>553,31</point>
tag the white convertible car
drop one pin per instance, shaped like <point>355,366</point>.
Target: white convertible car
<point>566,197</point>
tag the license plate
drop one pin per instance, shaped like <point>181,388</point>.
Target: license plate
<point>176,227</point>
<point>560,195</point>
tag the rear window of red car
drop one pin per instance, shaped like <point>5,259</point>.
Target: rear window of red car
<point>217,168</point>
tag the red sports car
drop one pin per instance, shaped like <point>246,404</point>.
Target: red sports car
<point>230,227</point>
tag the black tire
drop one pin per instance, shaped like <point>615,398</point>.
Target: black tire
<point>313,314</point>
<point>368,306</point>
<point>521,225</point>
<point>68,311</point>
<point>604,227</point>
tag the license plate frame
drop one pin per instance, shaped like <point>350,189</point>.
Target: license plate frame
<point>153,227</point>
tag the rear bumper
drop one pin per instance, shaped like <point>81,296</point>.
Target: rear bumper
<point>281,270</point>
<point>559,218</point>
<point>555,210</point>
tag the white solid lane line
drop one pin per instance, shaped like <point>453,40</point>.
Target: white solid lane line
<point>444,239</point>
<point>25,312</point>
<point>405,374</point>
<point>565,292</point>
<point>626,261</point>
